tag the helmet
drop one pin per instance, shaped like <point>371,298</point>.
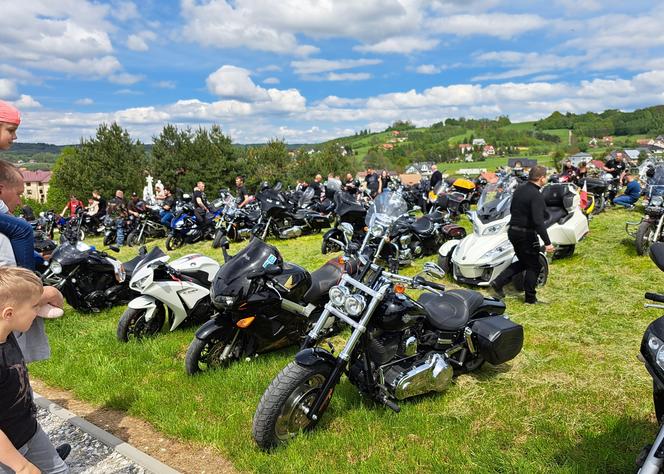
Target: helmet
<point>650,171</point>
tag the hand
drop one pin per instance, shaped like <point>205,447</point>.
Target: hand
<point>549,248</point>
<point>28,468</point>
<point>52,296</point>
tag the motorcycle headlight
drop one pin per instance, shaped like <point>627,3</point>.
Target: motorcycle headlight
<point>656,346</point>
<point>139,285</point>
<point>657,201</point>
<point>493,229</point>
<point>493,253</point>
<point>377,230</point>
<point>55,267</point>
<point>179,224</point>
<point>338,295</point>
<point>354,305</point>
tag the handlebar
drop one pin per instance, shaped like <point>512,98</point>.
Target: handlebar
<point>422,282</point>
<point>654,297</point>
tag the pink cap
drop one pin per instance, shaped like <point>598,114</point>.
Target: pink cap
<point>9,113</point>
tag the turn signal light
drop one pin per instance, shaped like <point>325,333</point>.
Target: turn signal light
<point>399,288</point>
<point>245,322</point>
<point>341,259</point>
<point>366,229</point>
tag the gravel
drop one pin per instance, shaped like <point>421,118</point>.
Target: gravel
<point>88,455</point>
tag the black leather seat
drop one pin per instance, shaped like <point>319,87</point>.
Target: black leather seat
<point>452,310</point>
<point>321,281</point>
<point>553,215</point>
<point>423,225</point>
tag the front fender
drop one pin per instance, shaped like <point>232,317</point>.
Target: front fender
<point>212,328</point>
<point>143,302</point>
<point>447,248</point>
<point>313,355</point>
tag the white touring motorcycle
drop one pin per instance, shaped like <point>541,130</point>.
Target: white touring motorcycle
<point>483,255</point>
<point>178,291</point>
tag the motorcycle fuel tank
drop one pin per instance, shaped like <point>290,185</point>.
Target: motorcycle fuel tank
<point>295,279</point>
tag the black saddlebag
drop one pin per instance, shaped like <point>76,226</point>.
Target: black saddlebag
<point>498,338</point>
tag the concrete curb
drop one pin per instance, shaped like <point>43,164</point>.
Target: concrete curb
<point>139,457</point>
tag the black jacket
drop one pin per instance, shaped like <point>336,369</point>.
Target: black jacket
<point>527,210</point>
<point>436,177</point>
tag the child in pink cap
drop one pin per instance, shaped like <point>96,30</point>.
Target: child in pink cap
<point>10,119</point>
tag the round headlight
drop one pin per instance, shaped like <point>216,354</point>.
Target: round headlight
<point>654,343</point>
<point>338,295</point>
<point>56,268</point>
<point>354,305</point>
<point>377,230</point>
<point>657,201</point>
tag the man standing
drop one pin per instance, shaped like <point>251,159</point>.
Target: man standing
<point>243,198</point>
<point>201,205</point>
<point>616,167</point>
<point>317,186</point>
<point>436,177</point>
<point>526,223</point>
<point>372,182</point>
<point>117,209</point>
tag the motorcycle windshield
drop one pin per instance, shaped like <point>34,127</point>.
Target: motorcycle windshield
<point>232,278</point>
<point>155,254</point>
<point>386,208</point>
<point>345,203</point>
<point>70,254</point>
<point>306,197</point>
<point>656,183</point>
<point>494,203</point>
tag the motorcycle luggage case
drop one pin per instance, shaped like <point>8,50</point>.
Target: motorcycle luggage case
<point>595,185</point>
<point>498,338</point>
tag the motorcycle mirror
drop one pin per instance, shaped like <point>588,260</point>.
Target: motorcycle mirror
<point>657,254</point>
<point>114,248</point>
<point>225,245</point>
<point>142,251</point>
<point>434,270</point>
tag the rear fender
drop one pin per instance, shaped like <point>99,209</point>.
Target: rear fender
<point>313,355</point>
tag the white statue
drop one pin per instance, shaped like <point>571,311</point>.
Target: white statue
<point>148,192</point>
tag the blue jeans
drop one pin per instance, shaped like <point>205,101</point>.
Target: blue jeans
<point>624,200</point>
<point>22,237</point>
<point>119,226</point>
<point>166,217</point>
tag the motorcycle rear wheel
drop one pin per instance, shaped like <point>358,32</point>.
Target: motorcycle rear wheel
<point>280,415</point>
<point>174,242</point>
<point>132,324</point>
<point>205,354</point>
<point>643,238</point>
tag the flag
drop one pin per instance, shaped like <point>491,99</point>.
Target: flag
<point>584,196</point>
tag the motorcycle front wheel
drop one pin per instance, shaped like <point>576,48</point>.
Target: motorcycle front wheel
<point>109,239</point>
<point>174,242</point>
<point>644,238</point>
<point>134,240</point>
<point>280,415</point>
<point>218,235</point>
<point>214,352</point>
<point>132,324</point>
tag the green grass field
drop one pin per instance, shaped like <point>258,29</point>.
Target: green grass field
<point>575,400</point>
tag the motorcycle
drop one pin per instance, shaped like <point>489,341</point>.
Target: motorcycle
<point>651,227</point>
<point>455,198</point>
<point>483,255</point>
<point>283,219</point>
<point>83,224</point>
<point>234,222</point>
<point>398,348</point>
<point>600,188</point>
<point>185,228</point>
<point>147,226</point>
<point>89,279</point>
<point>350,224</point>
<point>651,458</point>
<point>178,291</point>
<point>263,304</point>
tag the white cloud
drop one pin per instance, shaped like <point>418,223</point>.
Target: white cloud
<point>139,41</point>
<point>85,101</point>
<point>316,66</point>
<point>269,68</point>
<point>128,92</point>
<point>271,80</point>
<point>524,64</point>
<point>500,25</point>
<point>427,69</point>
<point>347,76</point>
<point>166,84</point>
<point>7,89</point>
<point>126,78</point>
<point>399,44</point>
<point>124,11</point>
<point>27,102</point>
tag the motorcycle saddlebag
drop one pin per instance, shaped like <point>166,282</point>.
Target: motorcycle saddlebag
<point>498,338</point>
<point>454,231</point>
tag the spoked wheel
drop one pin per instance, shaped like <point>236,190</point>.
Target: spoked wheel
<point>644,236</point>
<point>135,239</point>
<point>213,353</point>
<point>132,324</point>
<point>281,413</point>
<point>109,239</point>
<point>329,247</point>
<point>174,242</point>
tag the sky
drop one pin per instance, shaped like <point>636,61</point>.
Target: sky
<point>305,71</point>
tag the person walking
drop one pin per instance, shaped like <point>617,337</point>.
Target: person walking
<point>526,224</point>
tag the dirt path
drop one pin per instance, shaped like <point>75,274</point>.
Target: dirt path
<point>184,456</point>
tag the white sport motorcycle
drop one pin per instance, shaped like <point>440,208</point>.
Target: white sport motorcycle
<point>483,255</point>
<point>179,291</point>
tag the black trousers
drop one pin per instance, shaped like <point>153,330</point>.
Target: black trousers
<point>201,215</point>
<point>527,248</point>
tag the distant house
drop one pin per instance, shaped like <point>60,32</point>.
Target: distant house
<point>579,157</point>
<point>607,140</point>
<point>36,185</point>
<point>479,142</point>
<point>632,154</point>
<point>592,142</point>
<point>387,146</point>
<point>643,141</point>
<point>488,150</point>
<point>396,132</point>
<point>465,147</point>
<point>423,168</point>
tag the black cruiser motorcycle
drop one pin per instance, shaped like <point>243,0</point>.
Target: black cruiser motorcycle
<point>350,224</point>
<point>399,348</point>
<point>651,459</point>
<point>263,304</point>
<point>89,279</point>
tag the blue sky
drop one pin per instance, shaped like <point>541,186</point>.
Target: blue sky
<point>310,70</point>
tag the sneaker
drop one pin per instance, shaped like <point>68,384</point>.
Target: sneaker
<point>497,291</point>
<point>536,301</point>
<point>63,451</point>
